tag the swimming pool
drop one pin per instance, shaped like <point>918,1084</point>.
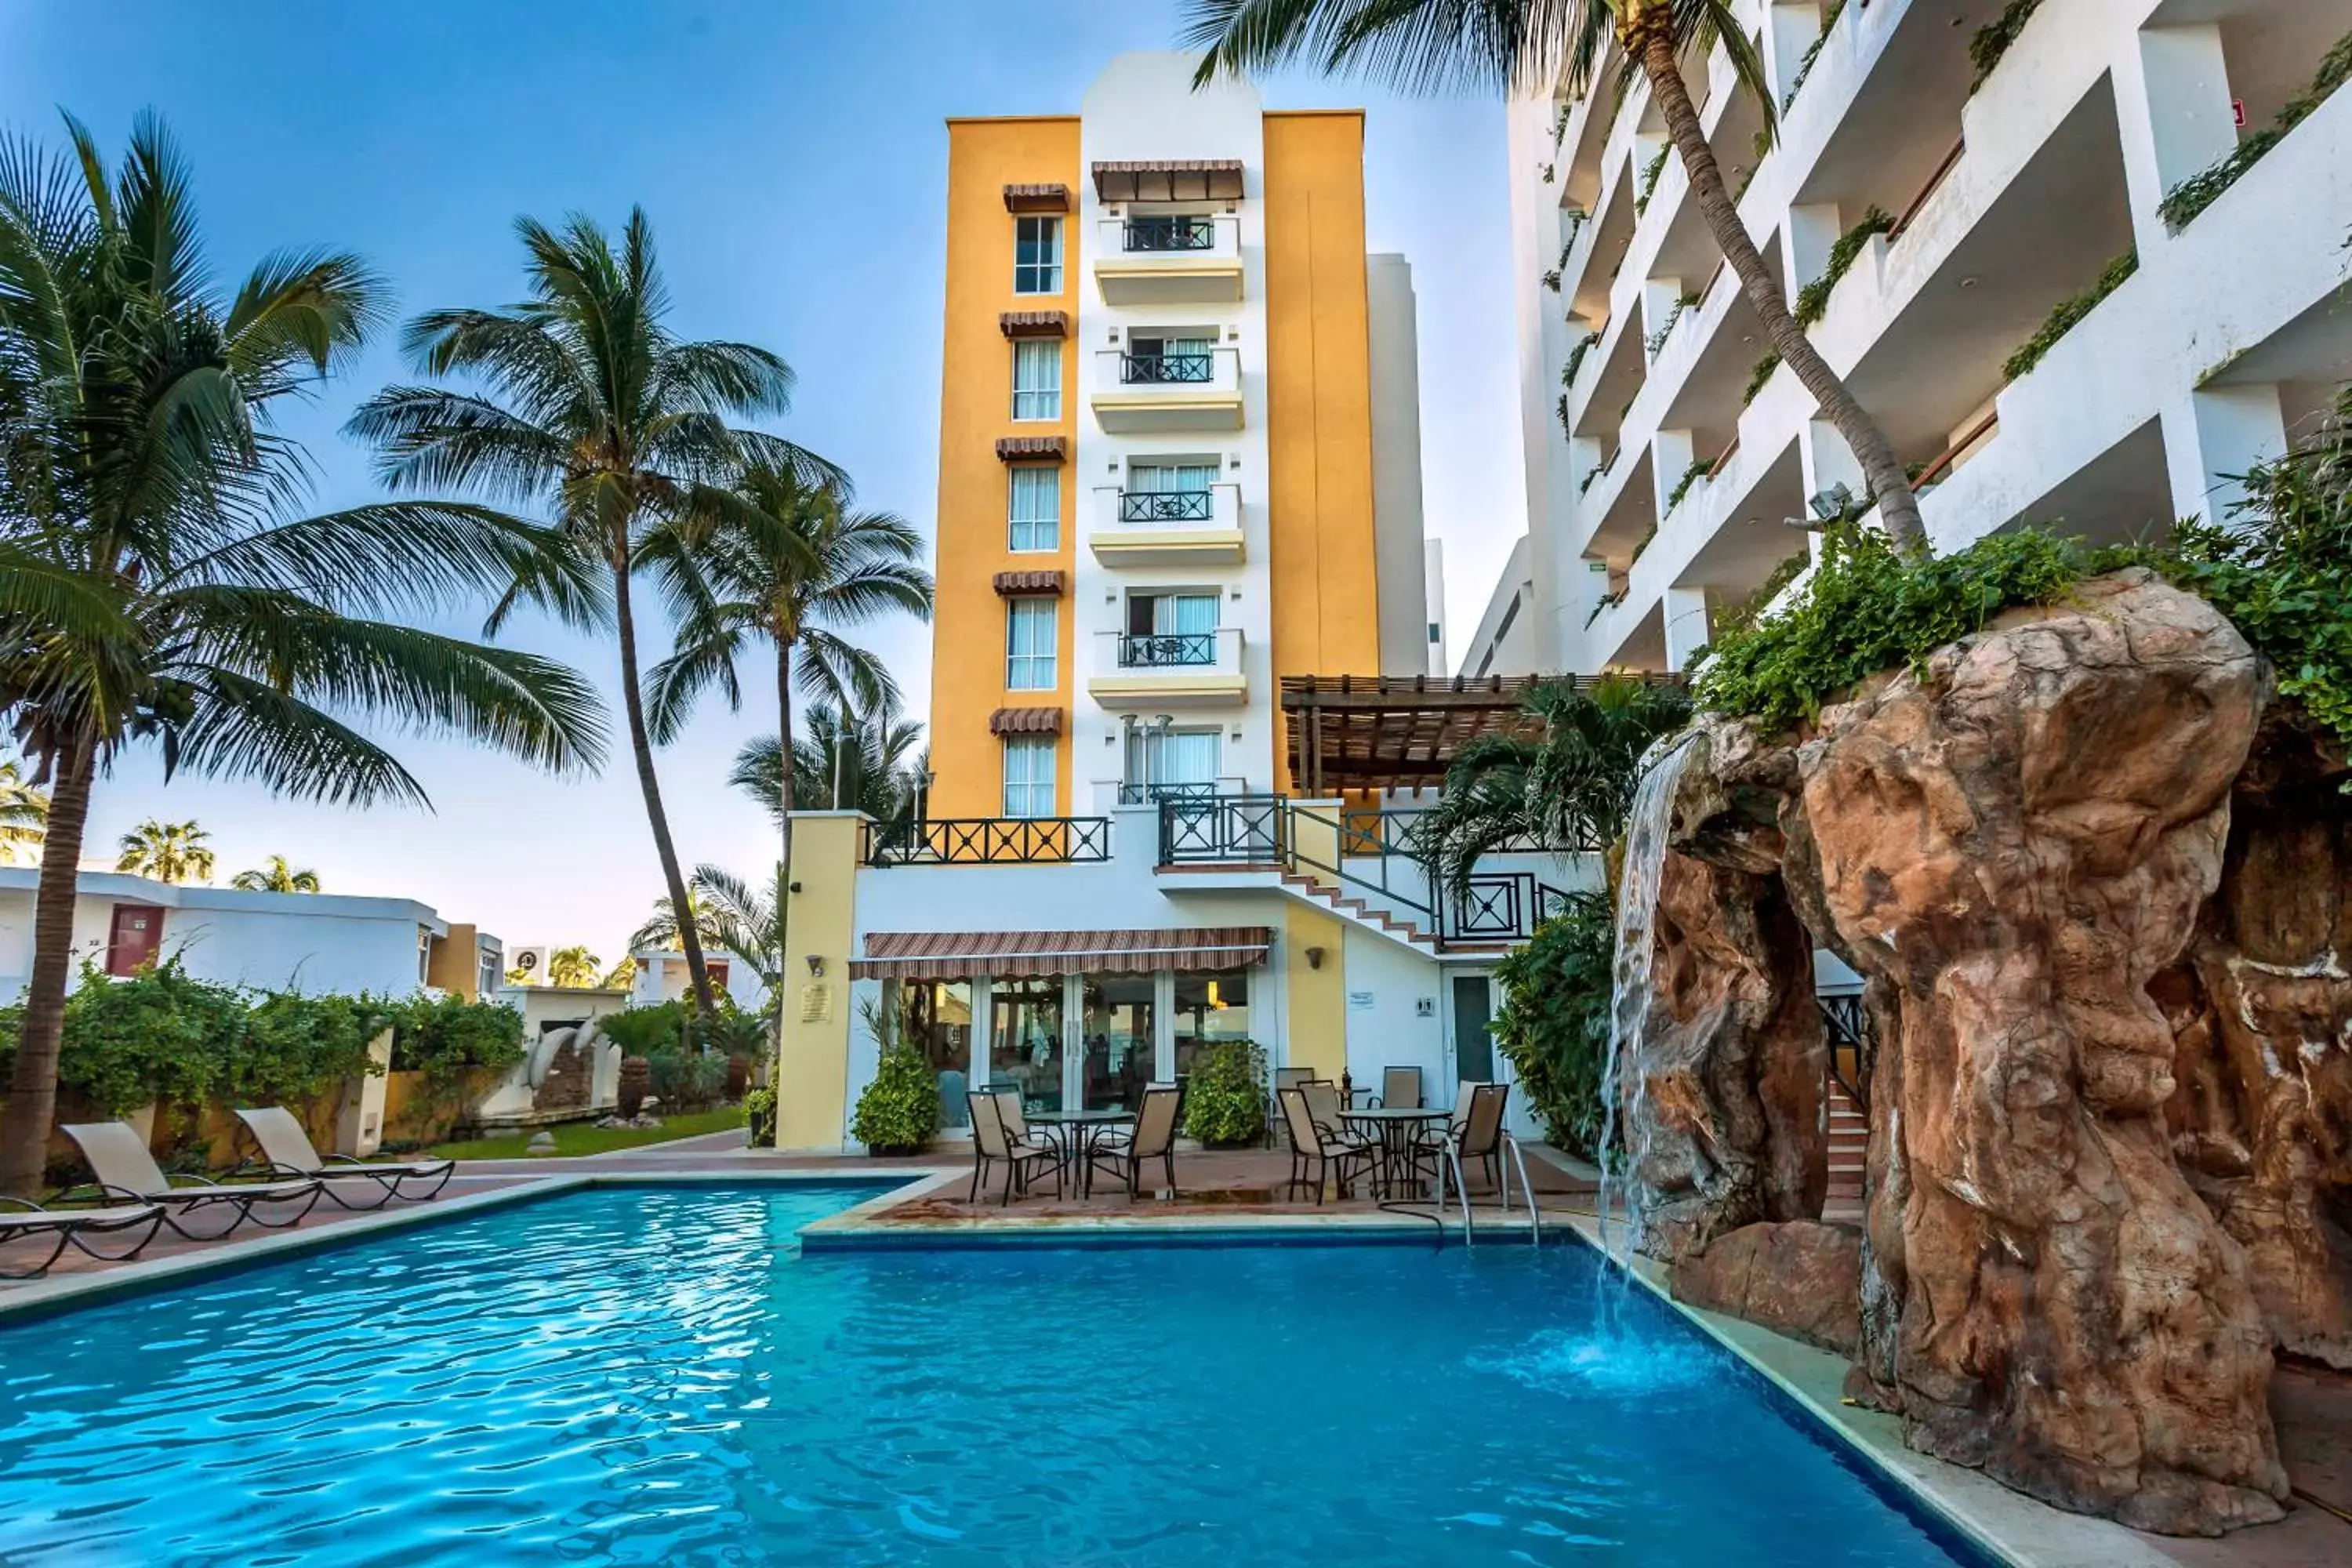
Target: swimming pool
<point>648,1375</point>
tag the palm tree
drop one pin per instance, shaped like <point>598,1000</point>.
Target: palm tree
<point>573,968</point>
<point>729,914</point>
<point>620,977</point>
<point>1570,790</point>
<point>23,813</point>
<point>799,565</point>
<point>590,407</point>
<point>871,764</point>
<point>1519,44</point>
<point>151,585</point>
<point>276,875</point>
<point>167,851</point>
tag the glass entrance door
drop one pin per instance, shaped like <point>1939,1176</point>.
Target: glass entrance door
<point>1024,1039</point>
<point>1119,1047</point>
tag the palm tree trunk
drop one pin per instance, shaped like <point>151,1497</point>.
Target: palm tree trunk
<point>1899,508</point>
<point>33,1091</point>
<point>633,703</point>
<point>784,830</point>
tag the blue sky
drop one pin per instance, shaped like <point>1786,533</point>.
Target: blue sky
<point>793,159</point>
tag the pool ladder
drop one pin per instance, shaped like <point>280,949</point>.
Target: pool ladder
<point>1513,1162</point>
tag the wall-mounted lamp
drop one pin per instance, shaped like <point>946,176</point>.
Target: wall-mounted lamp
<point>793,886</point>
<point>817,965</point>
<point>1314,958</point>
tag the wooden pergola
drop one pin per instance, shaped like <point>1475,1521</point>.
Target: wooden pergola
<point>1399,732</point>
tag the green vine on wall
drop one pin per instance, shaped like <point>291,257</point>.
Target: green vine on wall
<point>1575,362</point>
<point>2067,312</point>
<point>1992,40</point>
<point>1757,377</point>
<point>1650,172</point>
<point>1830,14</point>
<point>2182,204</point>
<point>1814,298</point>
<point>1691,476</point>
<point>1643,543</point>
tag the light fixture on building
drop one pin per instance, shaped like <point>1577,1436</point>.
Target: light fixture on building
<point>1967,282</point>
<point>817,965</point>
<point>1314,958</point>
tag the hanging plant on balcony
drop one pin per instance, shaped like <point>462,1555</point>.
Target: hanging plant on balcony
<point>1814,298</point>
<point>2202,190</point>
<point>1650,175</point>
<point>1758,376</point>
<point>1576,358</point>
<point>1691,476</point>
<point>2068,311</point>
<point>1992,40</point>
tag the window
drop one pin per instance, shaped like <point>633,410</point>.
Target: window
<point>1433,633</point>
<point>1210,1009</point>
<point>1171,478</point>
<point>1172,615</point>
<point>1029,645</point>
<point>1037,255</point>
<point>1028,775</point>
<point>1163,357</point>
<point>1037,378</point>
<point>1170,764</point>
<point>1036,509</point>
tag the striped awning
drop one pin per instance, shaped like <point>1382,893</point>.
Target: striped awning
<point>957,955</point>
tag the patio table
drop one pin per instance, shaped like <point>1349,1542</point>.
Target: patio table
<point>1080,1133</point>
<point>1397,1127</point>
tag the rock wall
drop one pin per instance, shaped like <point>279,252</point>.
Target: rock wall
<point>1801,1278</point>
<point>1732,1060</point>
<point>2261,1115</point>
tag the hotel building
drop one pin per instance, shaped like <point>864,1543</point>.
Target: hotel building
<point>1182,579</point>
<point>2085,261</point>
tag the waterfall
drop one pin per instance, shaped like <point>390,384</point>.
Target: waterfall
<point>1629,998</point>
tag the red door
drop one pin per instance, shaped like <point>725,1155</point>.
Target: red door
<point>137,934</point>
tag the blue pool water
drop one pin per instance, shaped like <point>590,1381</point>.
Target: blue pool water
<point>659,1376</point>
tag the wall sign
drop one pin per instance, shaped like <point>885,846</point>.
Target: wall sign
<point>1424,1006</point>
<point>1359,1000</point>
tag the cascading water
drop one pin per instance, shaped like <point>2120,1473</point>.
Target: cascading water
<point>1623,1103</point>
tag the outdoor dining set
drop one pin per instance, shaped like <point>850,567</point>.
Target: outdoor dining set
<point>1336,1136</point>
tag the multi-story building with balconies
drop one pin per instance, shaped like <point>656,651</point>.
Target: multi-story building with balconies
<point>2085,261</point>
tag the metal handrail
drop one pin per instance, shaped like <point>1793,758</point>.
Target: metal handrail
<point>1150,369</point>
<point>1169,234</point>
<point>1164,506</point>
<point>1161,650</point>
<point>1225,830</point>
<point>988,841</point>
<point>1850,1034</point>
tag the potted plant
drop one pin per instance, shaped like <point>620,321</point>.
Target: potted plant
<point>900,1112</point>
<point>760,1116</point>
<point>1225,1097</point>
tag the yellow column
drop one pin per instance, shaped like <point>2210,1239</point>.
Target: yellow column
<point>812,1068</point>
<point>1315,839</point>
<point>1315,979</point>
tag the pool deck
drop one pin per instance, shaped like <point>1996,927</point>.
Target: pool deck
<point>1237,1196</point>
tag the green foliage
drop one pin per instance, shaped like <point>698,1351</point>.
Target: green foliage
<point>1576,358</point>
<point>445,1036</point>
<point>1866,609</point>
<point>1691,476</point>
<point>1814,298</point>
<point>1553,1027</point>
<point>1758,376</point>
<point>2182,204</point>
<point>1741,616</point>
<point>1992,40</point>
<point>1656,340</point>
<point>164,1036</point>
<point>1551,280</point>
<point>900,1108</point>
<point>760,1116</point>
<point>686,1079</point>
<point>1650,175</point>
<point>642,1031</point>
<point>1830,14</point>
<point>1225,1095</point>
<point>1649,535</point>
<point>2068,311</point>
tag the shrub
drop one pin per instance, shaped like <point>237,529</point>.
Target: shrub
<point>760,1116</point>
<point>686,1079</point>
<point>900,1108</point>
<point>2067,313</point>
<point>1867,610</point>
<point>1225,1095</point>
<point>1553,1027</point>
<point>642,1031</point>
<point>445,1036</point>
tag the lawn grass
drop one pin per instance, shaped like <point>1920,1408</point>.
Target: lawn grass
<point>574,1138</point>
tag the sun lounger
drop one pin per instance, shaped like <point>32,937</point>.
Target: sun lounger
<point>118,1157</point>
<point>288,1154</point>
<point>57,1228</point>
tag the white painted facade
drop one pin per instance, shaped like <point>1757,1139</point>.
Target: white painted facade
<point>1433,594</point>
<point>2009,195</point>
<point>313,943</point>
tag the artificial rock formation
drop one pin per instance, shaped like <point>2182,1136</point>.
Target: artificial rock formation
<point>1802,1279</point>
<point>2261,1115</point>
<point>2010,843</point>
<point>1731,1062</point>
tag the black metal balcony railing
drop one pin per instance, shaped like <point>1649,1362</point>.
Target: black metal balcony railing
<point>1138,370</point>
<point>1501,906</point>
<point>1163,506</point>
<point>1224,830</point>
<point>988,841</point>
<point>1167,650</point>
<point>1159,794</point>
<point>1170,233</point>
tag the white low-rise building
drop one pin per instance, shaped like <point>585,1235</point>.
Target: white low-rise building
<point>1979,190</point>
<point>313,943</point>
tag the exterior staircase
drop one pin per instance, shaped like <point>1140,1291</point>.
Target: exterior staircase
<point>1361,910</point>
<point>1848,1142</point>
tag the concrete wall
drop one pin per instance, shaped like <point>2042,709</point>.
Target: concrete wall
<point>1400,558</point>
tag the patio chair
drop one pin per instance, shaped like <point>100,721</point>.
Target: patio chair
<point>1315,1154</point>
<point>1401,1087</point>
<point>59,1227</point>
<point>1011,1100</point>
<point>1284,1077</point>
<point>991,1143</point>
<point>1322,1097</point>
<point>1154,1138</point>
<point>118,1157</point>
<point>288,1154</point>
<point>1475,1133</point>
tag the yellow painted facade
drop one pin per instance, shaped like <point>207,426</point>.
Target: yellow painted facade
<point>1316,989</point>
<point>1318,400</point>
<point>968,647</point>
<point>812,1067</point>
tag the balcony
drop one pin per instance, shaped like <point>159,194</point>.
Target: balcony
<point>1167,528</point>
<point>1169,260</point>
<point>1109,794</point>
<point>1170,669</point>
<point>1140,394</point>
